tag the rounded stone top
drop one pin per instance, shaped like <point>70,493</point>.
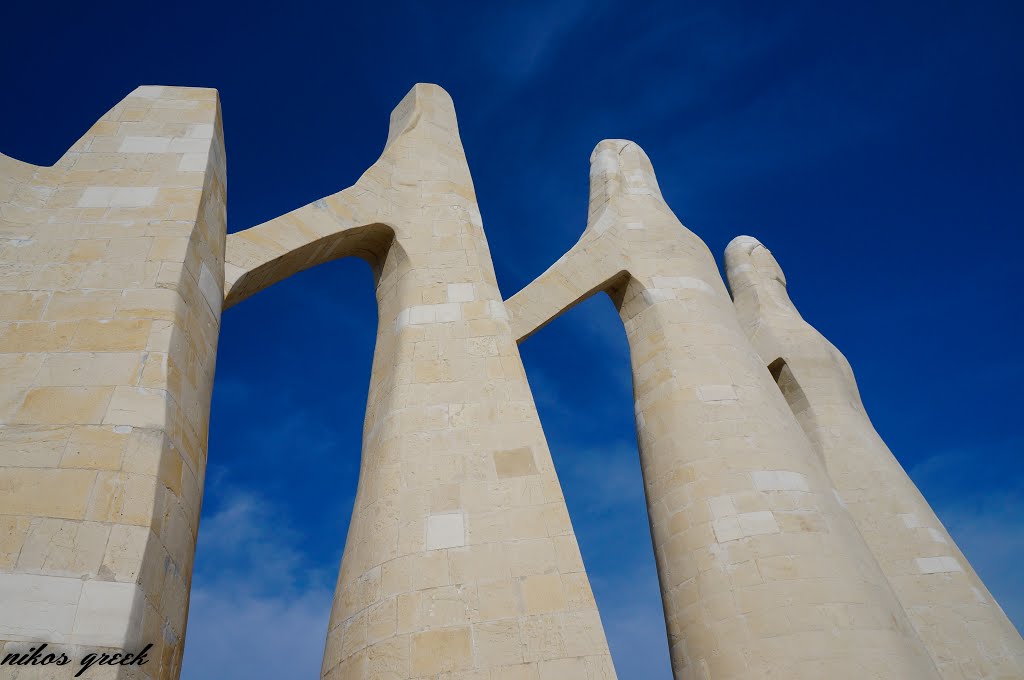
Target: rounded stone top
<point>748,261</point>
<point>621,166</point>
<point>425,102</point>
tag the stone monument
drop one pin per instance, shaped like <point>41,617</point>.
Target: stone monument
<point>789,541</point>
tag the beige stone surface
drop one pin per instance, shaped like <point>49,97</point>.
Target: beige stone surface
<point>461,561</point>
<point>763,573</point>
<point>460,556</point>
<point>102,448</point>
<point>963,627</point>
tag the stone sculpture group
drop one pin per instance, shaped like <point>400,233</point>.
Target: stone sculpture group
<point>790,543</point>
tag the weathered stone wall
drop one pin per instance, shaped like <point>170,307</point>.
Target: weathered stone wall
<point>460,555</point>
<point>111,271</point>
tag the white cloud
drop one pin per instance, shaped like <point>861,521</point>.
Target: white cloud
<point>529,35</point>
<point>991,535</point>
<point>242,635</point>
<point>635,625</point>
<point>259,606</point>
<point>983,512</point>
<point>605,492</point>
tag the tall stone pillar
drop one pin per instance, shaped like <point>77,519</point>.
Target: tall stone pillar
<point>111,274</point>
<point>762,572</point>
<point>460,559</point>
<point>959,622</point>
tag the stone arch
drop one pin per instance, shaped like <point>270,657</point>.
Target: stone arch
<point>457,492</point>
<point>713,490</point>
<point>796,399</point>
<point>371,243</point>
<point>112,347</point>
<point>790,386</point>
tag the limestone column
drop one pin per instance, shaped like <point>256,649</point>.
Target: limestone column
<point>963,627</point>
<point>460,561</point>
<point>762,572</point>
<point>111,271</point>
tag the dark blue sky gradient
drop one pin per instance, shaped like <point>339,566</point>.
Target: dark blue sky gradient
<point>876,148</point>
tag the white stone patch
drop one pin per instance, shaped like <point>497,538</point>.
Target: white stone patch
<point>122,429</point>
<point>717,393</point>
<point>117,197</point>
<point>653,296</point>
<point>145,144</point>
<point>722,507</point>
<point>192,162</point>
<point>641,191</point>
<point>96,197</point>
<point>189,145</point>
<point>496,309</point>
<point>605,163</point>
<point>910,520</point>
<point>448,311</point>
<point>104,616</point>
<point>60,609</point>
<point>418,315</point>
<point>149,91</point>
<point>402,320</point>
<point>756,523</point>
<point>634,225</point>
<point>143,407</point>
<point>460,292</point>
<point>937,536</point>
<point>421,314</point>
<point>38,607</point>
<point>943,564</point>
<point>446,531</point>
<point>682,282</point>
<point>641,182</point>
<point>201,131</point>
<point>839,499</point>
<point>727,529</point>
<point>978,595</point>
<point>133,197</point>
<point>729,525</point>
<point>779,480</point>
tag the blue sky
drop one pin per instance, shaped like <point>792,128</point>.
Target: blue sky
<point>876,148</point>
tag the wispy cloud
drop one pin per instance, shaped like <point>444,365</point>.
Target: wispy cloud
<point>259,605</point>
<point>605,480</point>
<point>635,625</point>
<point>990,531</point>
<point>525,36</point>
<point>984,512</point>
<point>605,492</point>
